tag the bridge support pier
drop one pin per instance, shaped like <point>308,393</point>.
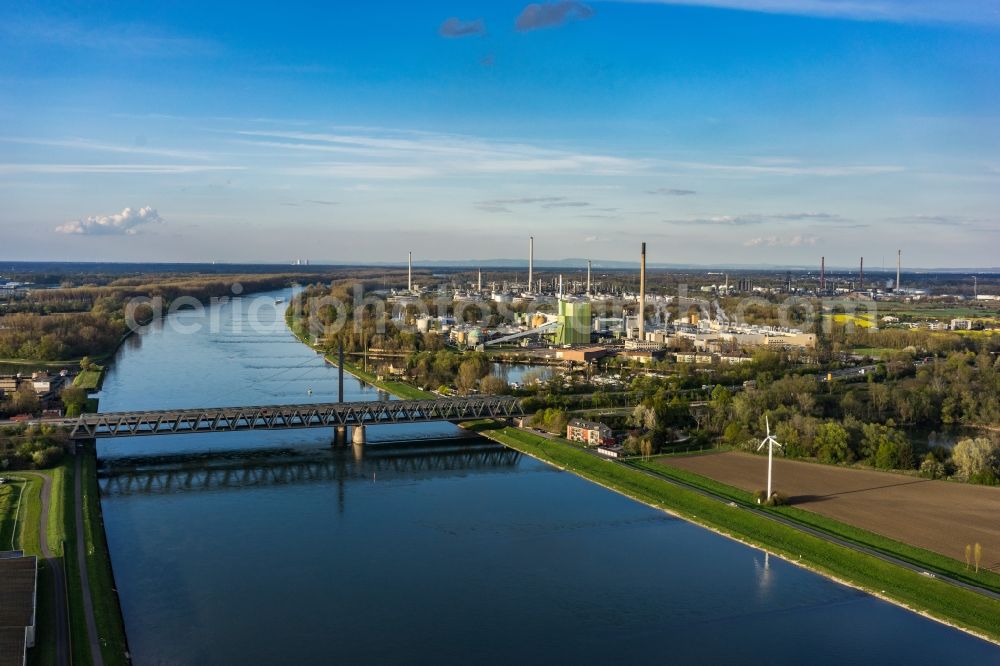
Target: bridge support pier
<point>358,437</point>
<point>340,436</point>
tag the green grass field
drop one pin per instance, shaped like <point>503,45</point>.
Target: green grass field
<point>89,379</point>
<point>958,606</point>
<point>107,614</point>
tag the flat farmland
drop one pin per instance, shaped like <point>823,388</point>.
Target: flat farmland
<point>940,516</point>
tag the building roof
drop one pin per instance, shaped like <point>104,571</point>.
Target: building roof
<point>586,425</point>
<point>17,591</point>
<point>17,606</point>
<point>12,646</point>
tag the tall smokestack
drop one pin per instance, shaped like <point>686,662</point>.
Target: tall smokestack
<point>480,279</point>
<point>899,261</point>
<point>588,277</point>
<point>531,260</point>
<point>861,281</point>
<point>642,294</point>
<point>409,271</point>
<point>822,273</point>
<point>560,286</point>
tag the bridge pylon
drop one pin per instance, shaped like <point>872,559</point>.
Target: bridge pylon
<point>340,436</point>
<point>358,436</point>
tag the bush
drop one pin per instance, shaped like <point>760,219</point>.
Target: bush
<point>46,457</point>
<point>776,499</point>
<point>932,468</point>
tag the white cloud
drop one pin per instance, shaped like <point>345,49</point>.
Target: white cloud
<point>778,241</point>
<point>88,145</point>
<point>902,11</point>
<point>125,223</point>
<point>792,170</point>
<point>134,39</point>
<point>414,154</point>
<point>112,168</point>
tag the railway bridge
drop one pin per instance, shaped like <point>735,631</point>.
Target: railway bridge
<point>338,415</point>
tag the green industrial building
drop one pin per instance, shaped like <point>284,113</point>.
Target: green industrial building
<point>574,323</point>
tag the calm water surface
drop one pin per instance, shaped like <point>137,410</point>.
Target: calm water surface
<point>273,548</point>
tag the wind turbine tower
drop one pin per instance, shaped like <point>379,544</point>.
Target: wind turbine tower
<point>770,442</point>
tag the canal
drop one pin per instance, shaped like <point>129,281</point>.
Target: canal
<point>273,548</point>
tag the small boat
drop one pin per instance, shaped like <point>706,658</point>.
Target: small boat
<point>279,300</point>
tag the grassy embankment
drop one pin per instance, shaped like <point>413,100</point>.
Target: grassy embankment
<point>61,534</point>
<point>963,608</point>
<point>107,613</point>
<point>398,389</point>
<point>928,560</point>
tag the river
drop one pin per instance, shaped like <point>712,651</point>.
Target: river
<point>274,548</point>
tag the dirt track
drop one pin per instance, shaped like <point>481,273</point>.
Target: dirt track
<point>941,516</point>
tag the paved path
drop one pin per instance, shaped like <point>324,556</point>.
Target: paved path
<point>81,559</point>
<point>58,574</point>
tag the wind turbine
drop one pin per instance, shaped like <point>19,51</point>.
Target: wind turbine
<point>770,442</point>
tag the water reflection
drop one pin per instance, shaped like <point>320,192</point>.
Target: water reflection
<point>279,467</point>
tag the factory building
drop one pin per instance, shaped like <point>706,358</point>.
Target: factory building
<point>574,323</point>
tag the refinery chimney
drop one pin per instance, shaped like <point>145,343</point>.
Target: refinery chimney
<point>588,277</point>
<point>480,280</point>
<point>409,271</point>
<point>642,294</point>
<point>899,260</point>
<point>822,273</point>
<point>531,260</point>
<point>861,281</point>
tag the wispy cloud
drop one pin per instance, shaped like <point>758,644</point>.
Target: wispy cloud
<point>778,241</point>
<point>671,192</point>
<point>551,14</point>
<point>455,27</point>
<point>525,200</point>
<point>822,170</point>
<point>98,146</point>
<point>125,223</point>
<point>407,153</point>
<point>900,11</point>
<point>113,168</point>
<point>132,39</point>
<point>566,204</point>
<point>757,218</point>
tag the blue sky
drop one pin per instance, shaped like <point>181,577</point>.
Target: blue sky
<point>719,131</point>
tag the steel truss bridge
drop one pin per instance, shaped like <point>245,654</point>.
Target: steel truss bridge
<point>278,417</point>
<point>322,469</point>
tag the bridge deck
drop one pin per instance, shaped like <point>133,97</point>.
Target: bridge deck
<point>277,417</point>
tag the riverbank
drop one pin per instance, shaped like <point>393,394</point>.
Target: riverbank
<point>963,609</point>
